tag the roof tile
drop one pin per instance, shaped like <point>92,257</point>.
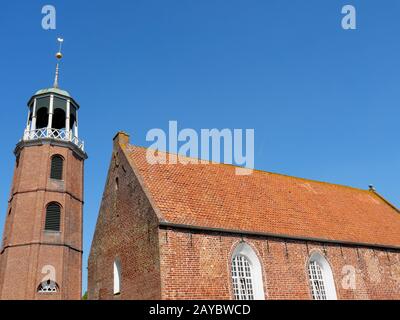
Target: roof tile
<point>211,195</point>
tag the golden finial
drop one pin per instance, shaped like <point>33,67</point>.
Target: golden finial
<point>58,56</point>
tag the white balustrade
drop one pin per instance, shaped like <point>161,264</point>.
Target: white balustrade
<point>56,134</point>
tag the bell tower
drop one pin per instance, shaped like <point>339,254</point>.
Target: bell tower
<point>41,252</point>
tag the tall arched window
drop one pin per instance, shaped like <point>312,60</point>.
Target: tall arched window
<point>56,170</point>
<point>246,272</point>
<point>321,278</point>
<point>53,217</point>
<point>117,277</point>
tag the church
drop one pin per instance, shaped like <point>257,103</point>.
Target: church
<point>184,230</point>
<point>198,231</point>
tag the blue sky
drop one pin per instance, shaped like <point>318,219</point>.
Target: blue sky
<point>324,102</point>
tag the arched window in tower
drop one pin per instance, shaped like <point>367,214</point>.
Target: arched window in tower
<point>48,286</point>
<point>321,278</point>
<point>53,217</point>
<point>117,276</point>
<point>246,272</point>
<point>42,118</point>
<point>56,169</point>
<point>59,119</point>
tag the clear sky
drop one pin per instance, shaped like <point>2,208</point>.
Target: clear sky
<point>324,102</point>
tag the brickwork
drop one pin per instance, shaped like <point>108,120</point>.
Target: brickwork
<point>126,230</point>
<point>26,247</point>
<point>197,266</point>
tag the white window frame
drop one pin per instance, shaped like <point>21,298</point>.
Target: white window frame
<point>246,253</point>
<point>320,276</point>
<point>242,280</point>
<point>117,276</point>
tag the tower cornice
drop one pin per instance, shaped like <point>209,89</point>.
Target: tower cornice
<point>82,155</point>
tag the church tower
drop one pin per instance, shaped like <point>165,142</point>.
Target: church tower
<point>41,252</point>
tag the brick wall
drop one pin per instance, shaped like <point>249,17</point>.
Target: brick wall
<point>26,247</point>
<point>197,266</point>
<point>126,230</point>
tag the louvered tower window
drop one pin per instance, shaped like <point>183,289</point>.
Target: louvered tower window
<point>53,217</point>
<point>56,171</point>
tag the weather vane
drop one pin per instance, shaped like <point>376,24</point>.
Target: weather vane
<point>59,57</point>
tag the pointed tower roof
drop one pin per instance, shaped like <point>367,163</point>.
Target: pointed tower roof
<point>55,88</point>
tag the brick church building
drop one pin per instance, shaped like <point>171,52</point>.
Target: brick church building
<point>198,231</point>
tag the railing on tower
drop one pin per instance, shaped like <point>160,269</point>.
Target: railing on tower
<point>56,134</point>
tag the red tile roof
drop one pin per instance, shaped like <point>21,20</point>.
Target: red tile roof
<point>213,196</point>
